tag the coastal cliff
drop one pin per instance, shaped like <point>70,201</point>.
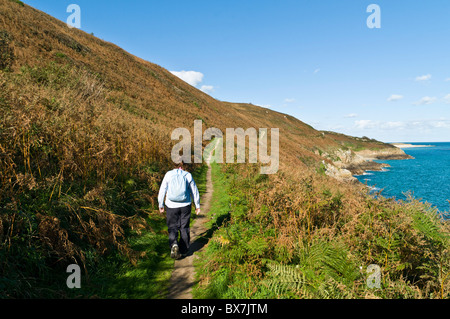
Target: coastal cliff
<point>348,163</point>
<point>391,153</point>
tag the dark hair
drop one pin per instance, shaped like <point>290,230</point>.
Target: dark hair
<point>178,165</point>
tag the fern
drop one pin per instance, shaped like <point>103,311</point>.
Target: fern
<point>330,260</point>
<point>330,289</point>
<point>427,223</point>
<point>284,278</point>
<point>323,267</point>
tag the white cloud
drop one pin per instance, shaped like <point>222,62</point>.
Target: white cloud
<point>440,124</point>
<point>351,115</point>
<point>316,71</point>
<point>393,125</point>
<point>413,126</point>
<point>447,99</point>
<point>395,97</point>
<point>426,100</point>
<point>194,78</point>
<point>191,77</point>
<point>430,124</point>
<point>369,124</point>
<point>365,124</point>
<point>447,80</point>
<point>423,77</point>
<point>289,100</point>
<point>207,88</point>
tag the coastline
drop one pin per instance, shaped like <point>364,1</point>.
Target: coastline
<point>406,145</point>
<point>351,164</point>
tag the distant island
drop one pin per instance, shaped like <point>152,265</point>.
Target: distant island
<point>405,145</point>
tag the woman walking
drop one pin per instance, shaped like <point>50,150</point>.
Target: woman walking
<point>177,190</point>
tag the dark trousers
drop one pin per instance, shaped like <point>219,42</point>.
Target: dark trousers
<point>178,222</point>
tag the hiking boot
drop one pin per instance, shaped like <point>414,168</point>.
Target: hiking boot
<point>175,252</point>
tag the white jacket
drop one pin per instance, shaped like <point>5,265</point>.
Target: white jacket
<point>165,185</point>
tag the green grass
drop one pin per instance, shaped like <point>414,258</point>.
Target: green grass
<point>219,203</point>
<point>199,176</point>
<point>114,277</point>
<point>229,243</point>
<point>218,214</point>
<point>244,259</point>
<point>240,262</point>
<point>110,275</point>
<point>149,278</point>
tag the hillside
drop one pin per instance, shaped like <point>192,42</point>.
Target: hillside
<point>77,66</point>
<point>85,140</point>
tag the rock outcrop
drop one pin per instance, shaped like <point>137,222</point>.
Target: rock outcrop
<point>392,153</point>
<point>347,163</point>
<point>340,174</point>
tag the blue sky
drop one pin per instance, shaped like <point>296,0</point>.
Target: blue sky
<point>315,60</point>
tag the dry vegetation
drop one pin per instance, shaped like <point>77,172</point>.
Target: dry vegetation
<point>301,235</point>
<point>85,140</point>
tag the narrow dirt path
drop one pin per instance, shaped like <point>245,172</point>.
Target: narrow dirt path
<point>183,274</point>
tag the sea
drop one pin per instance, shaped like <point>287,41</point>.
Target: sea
<point>426,177</point>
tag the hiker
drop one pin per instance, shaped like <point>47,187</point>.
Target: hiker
<point>178,185</point>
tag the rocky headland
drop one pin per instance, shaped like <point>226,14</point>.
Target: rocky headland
<point>348,163</point>
<point>391,153</point>
<point>406,145</point>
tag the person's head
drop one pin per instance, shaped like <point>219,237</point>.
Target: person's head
<point>179,165</point>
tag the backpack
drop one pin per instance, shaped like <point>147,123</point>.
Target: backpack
<point>177,191</point>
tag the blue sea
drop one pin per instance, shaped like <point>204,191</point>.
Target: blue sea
<point>426,177</point>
